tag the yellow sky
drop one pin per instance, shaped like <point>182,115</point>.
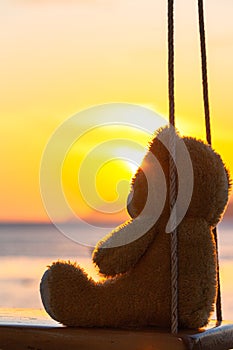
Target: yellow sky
<point>59,57</point>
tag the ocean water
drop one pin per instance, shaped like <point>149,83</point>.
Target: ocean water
<point>27,250</point>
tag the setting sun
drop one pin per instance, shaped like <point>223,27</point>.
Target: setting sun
<point>60,58</point>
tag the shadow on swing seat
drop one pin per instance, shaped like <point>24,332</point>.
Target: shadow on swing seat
<point>31,329</point>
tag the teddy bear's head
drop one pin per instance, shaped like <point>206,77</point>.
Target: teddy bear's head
<point>211,182</point>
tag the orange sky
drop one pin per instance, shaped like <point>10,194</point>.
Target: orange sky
<point>59,57</point>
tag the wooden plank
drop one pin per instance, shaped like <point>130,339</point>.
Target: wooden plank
<point>30,317</point>
<point>22,338</point>
<point>22,329</point>
<point>28,329</point>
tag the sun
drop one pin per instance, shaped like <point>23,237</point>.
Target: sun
<point>132,166</point>
<point>131,157</point>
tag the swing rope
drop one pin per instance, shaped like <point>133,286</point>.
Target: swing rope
<point>204,70</point>
<point>208,137</point>
<point>172,170</point>
<point>171,79</point>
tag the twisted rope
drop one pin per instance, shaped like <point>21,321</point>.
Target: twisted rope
<point>172,170</point>
<point>174,238</point>
<point>171,78</point>
<point>208,135</point>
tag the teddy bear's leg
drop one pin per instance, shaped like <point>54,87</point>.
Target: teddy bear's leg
<point>74,300</point>
<point>122,248</point>
<point>68,295</point>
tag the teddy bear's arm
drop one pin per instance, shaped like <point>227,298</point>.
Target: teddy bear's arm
<point>123,247</point>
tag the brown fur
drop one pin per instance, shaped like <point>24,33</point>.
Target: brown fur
<point>137,289</point>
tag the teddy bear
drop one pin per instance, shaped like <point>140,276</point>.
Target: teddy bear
<point>136,290</point>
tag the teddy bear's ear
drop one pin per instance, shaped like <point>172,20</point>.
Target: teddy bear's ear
<point>211,182</point>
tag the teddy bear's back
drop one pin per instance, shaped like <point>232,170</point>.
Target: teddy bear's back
<point>151,277</point>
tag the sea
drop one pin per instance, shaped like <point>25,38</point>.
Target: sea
<point>26,250</point>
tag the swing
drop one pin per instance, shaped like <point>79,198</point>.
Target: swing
<point>33,329</point>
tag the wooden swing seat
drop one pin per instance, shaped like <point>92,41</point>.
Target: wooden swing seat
<point>31,329</point>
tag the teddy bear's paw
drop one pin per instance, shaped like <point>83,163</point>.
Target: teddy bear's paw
<point>107,261</point>
<point>120,251</point>
<point>64,288</point>
<point>45,293</point>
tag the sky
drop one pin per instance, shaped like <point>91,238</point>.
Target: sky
<point>61,57</point>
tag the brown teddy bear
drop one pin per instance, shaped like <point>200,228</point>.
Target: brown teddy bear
<point>137,288</point>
